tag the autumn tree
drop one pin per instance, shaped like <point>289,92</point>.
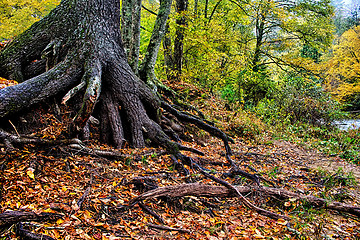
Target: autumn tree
<point>147,68</point>
<point>342,70</point>
<point>284,25</point>
<point>237,48</point>
<point>174,50</point>
<point>346,15</point>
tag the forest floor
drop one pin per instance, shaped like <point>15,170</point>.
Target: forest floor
<point>92,192</point>
<point>62,178</point>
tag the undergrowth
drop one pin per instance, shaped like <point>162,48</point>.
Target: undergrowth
<point>307,122</point>
<point>329,140</point>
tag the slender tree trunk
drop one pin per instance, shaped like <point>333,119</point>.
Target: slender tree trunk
<point>196,3</point>
<point>168,54</point>
<point>206,8</point>
<point>174,59</point>
<point>259,42</point>
<point>259,31</point>
<point>181,9</point>
<point>214,10</point>
<point>130,31</point>
<point>147,66</point>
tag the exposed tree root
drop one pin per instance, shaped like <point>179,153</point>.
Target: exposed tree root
<point>151,212</point>
<point>160,227</point>
<point>206,190</point>
<point>80,148</point>
<point>10,139</point>
<point>203,125</point>
<point>233,172</point>
<point>12,217</point>
<point>83,197</point>
<point>26,234</point>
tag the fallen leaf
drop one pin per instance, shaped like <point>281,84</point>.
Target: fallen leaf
<point>30,173</point>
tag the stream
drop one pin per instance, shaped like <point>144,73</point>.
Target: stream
<point>348,124</point>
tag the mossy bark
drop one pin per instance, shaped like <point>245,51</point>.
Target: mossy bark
<point>146,72</point>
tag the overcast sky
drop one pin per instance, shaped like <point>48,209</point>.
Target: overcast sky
<point>349,1</point>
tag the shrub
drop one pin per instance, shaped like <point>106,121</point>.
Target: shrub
<point>299,100</point>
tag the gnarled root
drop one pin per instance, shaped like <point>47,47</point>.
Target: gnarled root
<point>207,190</point>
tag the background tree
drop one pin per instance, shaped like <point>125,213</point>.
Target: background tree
<point>174,50</point>
<point>346,15</point>
<point>18,15</point>
<point>342,71</point>
<point>247,44</point>
<point>147,68</point>
<point>130,31</point>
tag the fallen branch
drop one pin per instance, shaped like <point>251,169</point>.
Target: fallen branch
<point>26,234</point>
<point>168,228</point>
<point>12,217</point>
<point>151,212</point>
<point>243,199</point>
<point>231,188</point>
<point>206,190</point>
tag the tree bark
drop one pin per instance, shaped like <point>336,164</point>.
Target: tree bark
<point>259,30</point>
<point>130,31</point>
<point>11,217</point>
<point>206,8</point>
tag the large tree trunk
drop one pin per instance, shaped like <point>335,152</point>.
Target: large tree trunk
<point>78,48</point>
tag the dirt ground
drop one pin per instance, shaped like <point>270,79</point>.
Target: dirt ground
<point>63,176</point>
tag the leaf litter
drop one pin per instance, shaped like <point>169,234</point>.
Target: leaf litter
<point>92,192</point>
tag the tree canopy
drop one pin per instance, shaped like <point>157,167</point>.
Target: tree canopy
<point>18,15</point>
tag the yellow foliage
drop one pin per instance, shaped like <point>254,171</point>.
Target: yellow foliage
<point>6,83</point>
<point>17,15</point>
<point>342,71</point>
